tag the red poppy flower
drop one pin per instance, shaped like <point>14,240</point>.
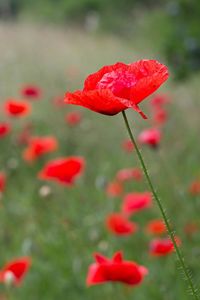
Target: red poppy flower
<point>194,188</point>
<point>15,270</point>
<point>2,181</point>
<point>190,228</point>
<point>115,270</point>
<point>16,108</point>
<point>25,134</point>
<point>128,146</point>
<point>150,137</point>
<point>156,227</point>
<point>161,247</point>
<point>159,116</point>
<point>118,224</point>
<point>134,202</point>
<point>73,118</point>
<point>4,129</point>
<point>159,100</point>
<point>31,92</point>
<point>129,174</point>
<point>38,146</point>
<point>63,170</point>
<point>114,189</point>
<point>117,87</point>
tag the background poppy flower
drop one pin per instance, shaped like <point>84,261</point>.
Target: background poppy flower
<point>38,146</point>
<point>159,101</point>
<point>129,174</point>
<point>159,116</point>
<point>15,270</point>
<point>5,128</point>
<point>114,188</point>
<point>63,170</point>
<point>2,181</point>
<point>128,146</point>
<point>194,188</point>
<point>17,108</point>
<point>156,227</point>
<point>151,137</point>
<point>118,224</point>
<point>161,247</point>
<point>134,202</point>
<point>115,270</point>
<point>73,118</point>
<point>31,92</point>
<point>117,87</point>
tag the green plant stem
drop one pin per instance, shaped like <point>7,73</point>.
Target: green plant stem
<point>162,210</point>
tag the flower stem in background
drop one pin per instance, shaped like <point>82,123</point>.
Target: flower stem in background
<point>193,290</point>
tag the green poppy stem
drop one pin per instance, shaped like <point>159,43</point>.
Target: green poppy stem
<point>180,257</point>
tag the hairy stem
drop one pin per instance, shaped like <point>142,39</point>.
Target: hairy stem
<point>180,257</point>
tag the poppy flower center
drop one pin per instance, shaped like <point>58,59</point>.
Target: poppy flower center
<point>119,82</point>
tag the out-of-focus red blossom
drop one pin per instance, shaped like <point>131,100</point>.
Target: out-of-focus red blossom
<point>128,146</point>
<point>159,116</point>
<point>194,188</point>
<point>15,271</point>
<point>17,108</point>
<point>115,270</point>
<point>118,224</point>
<point>73,118</point>
<point>114,189</point>
<point>156,227</point>
<point>134,202</point>
<point>63,170</point>
<point>38,146</point>
<point>31,92</point>
<point>159,101</point>
<point>129,174</point>
<point>59,101</point>
<point>5,128</point>
<point>117,87</point>
<point>25,135</point>
<point>162,246</point>
<point>2,181</point>
<point>191,228</point>
<point>151,137</point>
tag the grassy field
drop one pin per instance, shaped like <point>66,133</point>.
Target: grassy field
<point>61,232</point>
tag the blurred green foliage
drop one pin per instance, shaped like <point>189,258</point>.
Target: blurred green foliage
<point>181,43</point>
<point>182,47</point>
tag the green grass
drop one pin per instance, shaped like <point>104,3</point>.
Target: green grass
<point>61,232</point>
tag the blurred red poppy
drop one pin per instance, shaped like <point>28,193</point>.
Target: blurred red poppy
<point>115,270</point>
<point>25,134</point>
<point>38,146</point>
<point>2,181</point>
<point>63,170</point>
<point>31,92</point>
<point>156,227</point>
<point>117,87</point>
<point>17,108</point>
<point>114,188</point>
<point>73,118</point>
<point>159,116</point>
<point>5,128</point>
<point>151,137</point>
<point>129,174</point>
<point>118,224</point>
<point>194,187</point>
<point>134,202</point>
<point>128,146</point>
<point>159,101</point>
<point>161,247</point>
<point>15,271</point>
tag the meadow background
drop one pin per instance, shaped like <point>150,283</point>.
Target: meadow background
<point>55,46</point>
